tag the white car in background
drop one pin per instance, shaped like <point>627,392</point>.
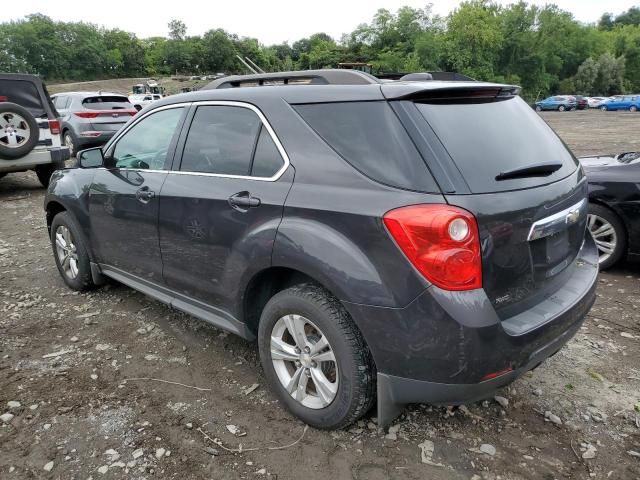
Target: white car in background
<point>141,100</point>
<point>595,102</point>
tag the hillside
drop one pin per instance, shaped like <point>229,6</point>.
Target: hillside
<point>123,85</point>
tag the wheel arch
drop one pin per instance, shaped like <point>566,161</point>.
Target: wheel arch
<point>264,285</point>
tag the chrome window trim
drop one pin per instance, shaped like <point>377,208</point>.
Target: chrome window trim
<point>265,123</point>
<point>256,110</point>
<point>553,223</point>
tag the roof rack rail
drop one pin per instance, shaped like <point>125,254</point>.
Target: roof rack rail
<point>303,77</point>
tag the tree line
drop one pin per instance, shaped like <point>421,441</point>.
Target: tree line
<point>543,49</point>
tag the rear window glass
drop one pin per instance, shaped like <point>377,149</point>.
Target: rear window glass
<point>106,102</point>
<point>370,137</point>
<point>23,93</point>
<point>486,139</point>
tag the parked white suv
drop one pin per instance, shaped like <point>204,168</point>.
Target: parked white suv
<point>29,128</point>
<point>141,100</point>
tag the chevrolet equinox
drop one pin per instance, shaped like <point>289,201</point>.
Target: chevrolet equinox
<point>399,241</point>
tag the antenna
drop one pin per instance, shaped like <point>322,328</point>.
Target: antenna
<point>246,64</point>
<point>253,64</point>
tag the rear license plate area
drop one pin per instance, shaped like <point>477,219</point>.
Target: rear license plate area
<point>551,254</point>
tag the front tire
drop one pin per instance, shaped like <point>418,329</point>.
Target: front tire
<point>633,108</point>
<point>538,108</point>
<point>70,253</point>
<point>604,108</point>
<point>609,234</point>
<point>315,358</point>
<point>561,108</point>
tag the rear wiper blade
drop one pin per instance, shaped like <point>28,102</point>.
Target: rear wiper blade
<point>537,170</point>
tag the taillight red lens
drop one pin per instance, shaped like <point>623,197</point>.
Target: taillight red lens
<point>441,241</point>
<point>86,114</point>
<point>4,98</point>
<point>54,127</point>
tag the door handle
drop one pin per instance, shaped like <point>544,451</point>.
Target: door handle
<point>145,195</point>
<point>242,201</point>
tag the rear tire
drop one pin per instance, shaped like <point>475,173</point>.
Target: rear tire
<point>19,132</point>
<point>604,108</point>
<point>44,172</point>
<point>609,233</point>
<point>70,141</point>
<point>70,253</point>
<point>346,383</point>
<point>561,108</point>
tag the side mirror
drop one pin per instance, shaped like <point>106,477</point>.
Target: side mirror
<point>91,158</point>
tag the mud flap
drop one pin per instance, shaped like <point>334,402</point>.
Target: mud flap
<point>388,409</point>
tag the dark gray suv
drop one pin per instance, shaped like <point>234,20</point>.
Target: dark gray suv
<point>417,241</point>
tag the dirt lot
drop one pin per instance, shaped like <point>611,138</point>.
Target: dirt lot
<point>74,362</point>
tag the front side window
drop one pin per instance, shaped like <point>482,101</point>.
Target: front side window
<point>221,140</point>
<point>146,144</point>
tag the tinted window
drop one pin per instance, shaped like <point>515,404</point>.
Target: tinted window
<point>106,102</point>
<point>267,159</point>
<point>370,137</point>
<point>145,145</point>
<point>486,139</point>
<point>221,140</point>
<point>23,93</point>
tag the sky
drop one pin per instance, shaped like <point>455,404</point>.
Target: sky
<point>271,22</point>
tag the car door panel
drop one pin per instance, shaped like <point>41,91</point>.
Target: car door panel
<point>124,196</point>
<point>217,226</point>
<point>208,246</point>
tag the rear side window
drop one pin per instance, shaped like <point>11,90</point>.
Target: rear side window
<point>24,94</point>
<point>267,159</point>
<point>370,137</point>
<point>106,102</point>
<point>486,139</point>
<point>221,140</point>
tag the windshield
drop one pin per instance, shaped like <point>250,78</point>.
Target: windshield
<point>104,102</point>
<point>487,139</point>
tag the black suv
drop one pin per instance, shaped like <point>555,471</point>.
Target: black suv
<point>411,241</point>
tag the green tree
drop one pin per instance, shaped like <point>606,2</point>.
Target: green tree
<point>177,29</point>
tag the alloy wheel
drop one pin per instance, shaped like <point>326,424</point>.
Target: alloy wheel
<point>14,130</point>
<point>66,251</point>
<point>604,235</point>
<point>68,141</point>
<point>304,361</point>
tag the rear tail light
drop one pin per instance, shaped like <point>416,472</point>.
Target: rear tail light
<point>441,241</point>
<point>105,113</point>
<point>4,98</point>
<point>54,127</point>
<point>86,114</point>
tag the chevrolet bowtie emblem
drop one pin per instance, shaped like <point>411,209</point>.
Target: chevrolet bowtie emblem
<point>573,216</point>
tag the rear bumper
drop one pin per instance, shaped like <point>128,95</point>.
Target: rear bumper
<point>441,347</point>
<point>54,155</point>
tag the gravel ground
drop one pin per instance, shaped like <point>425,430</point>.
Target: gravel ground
<point>76,399</point>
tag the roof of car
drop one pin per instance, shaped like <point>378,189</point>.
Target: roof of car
<point>89,94</point>
<point>325,93</point>
<point>20,76</point>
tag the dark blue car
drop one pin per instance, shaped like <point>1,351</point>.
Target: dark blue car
<point>559,102</point>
